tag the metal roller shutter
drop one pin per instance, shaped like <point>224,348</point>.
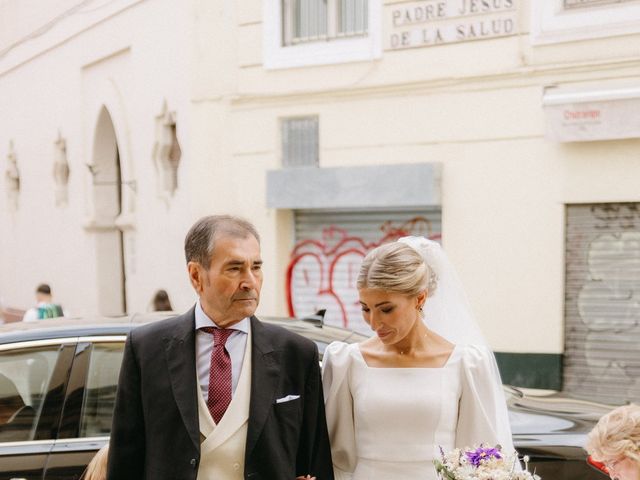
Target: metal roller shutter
<point>329,249</point>
<point>602,302</point>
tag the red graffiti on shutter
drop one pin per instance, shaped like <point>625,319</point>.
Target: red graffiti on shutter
<point>323,272</point>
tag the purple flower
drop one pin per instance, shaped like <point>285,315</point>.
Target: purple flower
<point>480,454</point>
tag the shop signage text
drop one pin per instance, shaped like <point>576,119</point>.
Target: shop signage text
<point>604,120</point>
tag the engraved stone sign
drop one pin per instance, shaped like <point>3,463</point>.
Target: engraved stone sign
<point>435,22</point>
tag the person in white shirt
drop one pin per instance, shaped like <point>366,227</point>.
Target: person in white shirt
<point>45,307</point>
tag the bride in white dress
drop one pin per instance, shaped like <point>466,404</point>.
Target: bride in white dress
<point>425,381</point>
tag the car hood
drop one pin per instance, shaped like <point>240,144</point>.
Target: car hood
<point>552,414</point>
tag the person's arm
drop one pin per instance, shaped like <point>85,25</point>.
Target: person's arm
<point>30,315</point>
<point>314,450</point>
<point>127,443</point>
<point>339,409</point>
<point>482,415</point>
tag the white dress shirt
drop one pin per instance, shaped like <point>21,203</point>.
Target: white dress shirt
<point>236,344</point>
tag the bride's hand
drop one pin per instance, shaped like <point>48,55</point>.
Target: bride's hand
<point>307,477</point>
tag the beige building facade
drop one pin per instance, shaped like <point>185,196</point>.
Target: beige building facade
<point>506,129</point>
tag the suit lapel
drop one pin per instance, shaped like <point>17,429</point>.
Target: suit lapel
<point>264,380</point>
<point>180,351</point>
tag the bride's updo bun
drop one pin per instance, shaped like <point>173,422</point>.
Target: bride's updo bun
<point>396,267</point>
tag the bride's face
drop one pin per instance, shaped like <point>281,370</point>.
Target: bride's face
<point>391,315</point>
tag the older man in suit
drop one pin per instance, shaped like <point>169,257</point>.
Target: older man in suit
<point>214,393</point>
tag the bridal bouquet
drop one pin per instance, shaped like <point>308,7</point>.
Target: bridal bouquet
<point>481,463</point>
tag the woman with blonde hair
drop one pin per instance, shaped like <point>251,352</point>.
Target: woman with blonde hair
<point>425,381</point>
<point>615,442</point>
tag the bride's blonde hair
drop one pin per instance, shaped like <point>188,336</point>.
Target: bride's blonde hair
<point>396,267</point>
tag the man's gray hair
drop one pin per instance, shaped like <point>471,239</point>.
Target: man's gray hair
<point>200,240</point>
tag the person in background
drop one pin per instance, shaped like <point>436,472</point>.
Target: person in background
<point>615,441</point>
<point>97,468</point>
<point>161,302</point>
<point>45,307</point>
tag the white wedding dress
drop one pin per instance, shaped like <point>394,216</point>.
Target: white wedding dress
<point>389,423</point>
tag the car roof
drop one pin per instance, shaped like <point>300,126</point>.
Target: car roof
<point>72,327</point>
<point>99,325</point>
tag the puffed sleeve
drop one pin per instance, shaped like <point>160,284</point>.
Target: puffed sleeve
<point>482,414</point>
<point>339,409</point>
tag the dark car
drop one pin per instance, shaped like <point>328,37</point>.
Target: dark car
<point>58,382</point>
<point>552,431</point>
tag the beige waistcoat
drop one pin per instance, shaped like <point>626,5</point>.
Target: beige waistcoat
<point>222,446</point>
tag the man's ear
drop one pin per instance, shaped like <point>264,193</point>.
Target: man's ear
<point>196,276</point>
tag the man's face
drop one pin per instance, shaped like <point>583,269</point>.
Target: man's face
<point>229,289</point>
<point>42,297</point>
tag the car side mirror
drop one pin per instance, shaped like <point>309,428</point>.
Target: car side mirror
<point>317,318</point>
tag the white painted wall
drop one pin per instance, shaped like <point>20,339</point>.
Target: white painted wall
<point>475,106</point>
<point>130,57</point>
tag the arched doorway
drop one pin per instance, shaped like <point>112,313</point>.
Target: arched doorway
<point>107,203</point>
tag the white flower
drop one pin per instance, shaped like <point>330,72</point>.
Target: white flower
<point>455,464</point>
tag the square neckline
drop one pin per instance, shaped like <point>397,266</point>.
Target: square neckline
<point>446,363</point>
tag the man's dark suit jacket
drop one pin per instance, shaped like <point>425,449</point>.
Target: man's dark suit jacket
<point>155,433</point>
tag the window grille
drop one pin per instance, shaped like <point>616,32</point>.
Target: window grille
<point>300,142</point>
<point>322,20</point>
<point>571,4</point>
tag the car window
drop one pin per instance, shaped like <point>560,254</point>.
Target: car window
<point>100,390</point>
<point>25,375</point>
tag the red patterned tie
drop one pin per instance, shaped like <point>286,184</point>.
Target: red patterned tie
<point>220,383</point>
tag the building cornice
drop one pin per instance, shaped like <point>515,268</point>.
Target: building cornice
<point>532,75</point>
